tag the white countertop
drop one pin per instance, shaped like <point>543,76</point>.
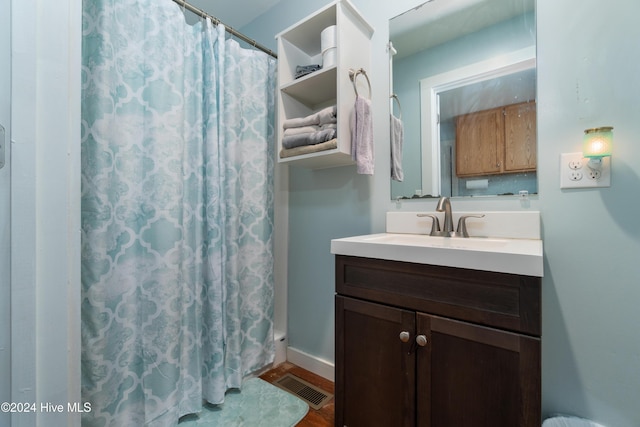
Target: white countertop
<point>506,255</point>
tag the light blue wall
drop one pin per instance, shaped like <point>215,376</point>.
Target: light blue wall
<point>323,205</point>
<point>588,75</point>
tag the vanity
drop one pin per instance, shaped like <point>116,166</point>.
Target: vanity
<point>438,331</point>
<point>434,328</point>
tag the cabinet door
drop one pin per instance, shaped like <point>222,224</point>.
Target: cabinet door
<point>480,143</point>
<point>375,369</point>
<point>470,375</point>
<point>520,137</point>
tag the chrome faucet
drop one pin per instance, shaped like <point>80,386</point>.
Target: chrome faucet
<point>444,205</point>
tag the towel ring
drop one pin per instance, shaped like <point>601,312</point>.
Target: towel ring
<point>353,75</point>
<point>394,96</point>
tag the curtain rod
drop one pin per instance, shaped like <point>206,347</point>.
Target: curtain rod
<point>230,30</point>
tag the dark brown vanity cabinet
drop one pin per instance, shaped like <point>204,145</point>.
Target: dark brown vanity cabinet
<point>423,345</point>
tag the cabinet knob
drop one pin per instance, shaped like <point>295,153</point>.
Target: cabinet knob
<point>404,336</point>
<point>421,340</point>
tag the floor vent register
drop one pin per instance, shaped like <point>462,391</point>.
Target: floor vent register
<point>315,397</point>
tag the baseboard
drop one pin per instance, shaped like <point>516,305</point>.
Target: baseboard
<point>311,363</point>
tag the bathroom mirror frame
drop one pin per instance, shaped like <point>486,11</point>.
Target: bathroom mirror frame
<point>513,43</point>
<point>431,87</point>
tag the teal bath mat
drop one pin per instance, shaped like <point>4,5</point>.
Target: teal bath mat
<point>259,404</point>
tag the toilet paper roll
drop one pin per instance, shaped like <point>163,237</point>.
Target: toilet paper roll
<point>477,184</point>
<point>328,38</point>
<point>329,57</point>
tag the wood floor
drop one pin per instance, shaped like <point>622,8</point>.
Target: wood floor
<point>315,418</point>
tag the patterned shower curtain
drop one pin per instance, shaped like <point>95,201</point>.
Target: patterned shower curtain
<point>177,213</point>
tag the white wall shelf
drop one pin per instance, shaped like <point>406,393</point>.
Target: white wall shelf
<point>301,45</point>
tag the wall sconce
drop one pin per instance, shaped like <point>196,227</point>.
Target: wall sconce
<point>597,143</point>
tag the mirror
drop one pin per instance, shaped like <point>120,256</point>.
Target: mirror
<point>463,76</point>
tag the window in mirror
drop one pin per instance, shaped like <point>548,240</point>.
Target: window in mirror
<point>486,48</point>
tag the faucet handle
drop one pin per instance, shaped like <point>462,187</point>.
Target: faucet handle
<point>462,224</point>
<point>435,223</point>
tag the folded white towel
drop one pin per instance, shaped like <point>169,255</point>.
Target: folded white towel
<point>328,115</point>
<point>324,116</point>
<point>397,137</point>
<point>362,150</point>
<point>303,129</point>
<point>298,122</point>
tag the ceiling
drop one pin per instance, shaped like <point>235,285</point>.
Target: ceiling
<point>236,13</point>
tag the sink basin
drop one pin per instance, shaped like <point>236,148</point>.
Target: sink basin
<point>437,241</point>
<point>517,256</point>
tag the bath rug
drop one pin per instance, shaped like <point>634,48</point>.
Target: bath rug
<point>258,404</point>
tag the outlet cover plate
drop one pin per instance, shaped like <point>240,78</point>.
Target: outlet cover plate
<point>575,172</point>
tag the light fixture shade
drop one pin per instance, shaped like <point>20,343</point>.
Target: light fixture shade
<point>597,142</point>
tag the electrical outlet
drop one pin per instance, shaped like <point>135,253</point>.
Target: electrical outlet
<point>594,174</point>
<point>575,164</point>
<point>576,173</point>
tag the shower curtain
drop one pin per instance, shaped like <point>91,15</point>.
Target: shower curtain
<point>177,213</point>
